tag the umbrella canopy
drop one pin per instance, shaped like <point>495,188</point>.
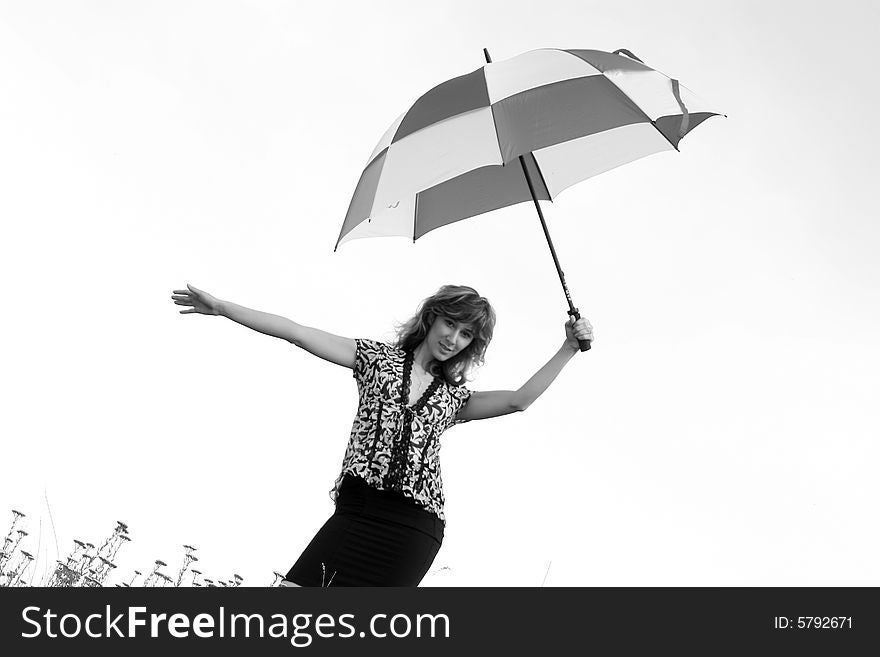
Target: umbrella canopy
<point>570,114</point>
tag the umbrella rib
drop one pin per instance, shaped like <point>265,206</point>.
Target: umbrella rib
<point>541,173</point>
<point>415,216</point>
<point>685,119</point>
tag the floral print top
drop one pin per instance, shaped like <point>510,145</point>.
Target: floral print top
<point>394,446</point>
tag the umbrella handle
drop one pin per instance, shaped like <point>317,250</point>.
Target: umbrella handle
<point>583,344</point>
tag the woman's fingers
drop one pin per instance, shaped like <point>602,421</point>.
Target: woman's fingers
<point>189,297</point>
<point>582,329</point>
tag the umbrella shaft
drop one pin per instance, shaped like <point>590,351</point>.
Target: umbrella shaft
<point>572,309</point>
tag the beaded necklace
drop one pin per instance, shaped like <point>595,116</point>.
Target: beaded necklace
<point>397,469</point>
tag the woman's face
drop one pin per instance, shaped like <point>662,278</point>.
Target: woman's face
<point>446,332</point>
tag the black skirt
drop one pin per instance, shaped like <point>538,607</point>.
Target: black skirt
<point>374,538</point>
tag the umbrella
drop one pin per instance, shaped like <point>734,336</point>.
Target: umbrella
<point>522,129</point>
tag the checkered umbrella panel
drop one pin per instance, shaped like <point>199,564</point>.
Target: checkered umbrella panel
<point>571,115</point>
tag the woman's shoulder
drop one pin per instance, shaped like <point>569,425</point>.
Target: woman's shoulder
<point>370,349</point>
<point>459,390</point>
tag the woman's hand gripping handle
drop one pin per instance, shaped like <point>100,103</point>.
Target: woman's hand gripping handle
<point>578,332</point>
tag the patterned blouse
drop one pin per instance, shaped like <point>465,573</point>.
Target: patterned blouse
<point>394,446</point>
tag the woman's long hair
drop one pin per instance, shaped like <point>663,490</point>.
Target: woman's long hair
<point>460,303</point>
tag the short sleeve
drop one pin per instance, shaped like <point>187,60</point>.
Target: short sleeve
<point>461,395</point>
<point>368,356</point>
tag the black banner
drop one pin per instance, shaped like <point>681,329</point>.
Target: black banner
<point>436,621</point>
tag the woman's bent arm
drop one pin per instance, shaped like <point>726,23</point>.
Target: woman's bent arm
<point>486,404</point>
<point>482,405</point>
<point>541,380</point>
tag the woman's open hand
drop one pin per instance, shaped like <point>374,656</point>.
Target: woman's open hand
<point>577,330</point>
<point>199,301</point>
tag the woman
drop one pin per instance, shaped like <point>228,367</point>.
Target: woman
<point>389,522</point>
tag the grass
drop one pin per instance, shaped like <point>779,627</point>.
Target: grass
<point>90,566</point>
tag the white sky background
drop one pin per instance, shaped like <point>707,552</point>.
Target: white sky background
<point>720,432</point>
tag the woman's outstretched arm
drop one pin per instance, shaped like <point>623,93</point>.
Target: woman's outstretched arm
<point>333,348</point>
<point>482,405</point>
